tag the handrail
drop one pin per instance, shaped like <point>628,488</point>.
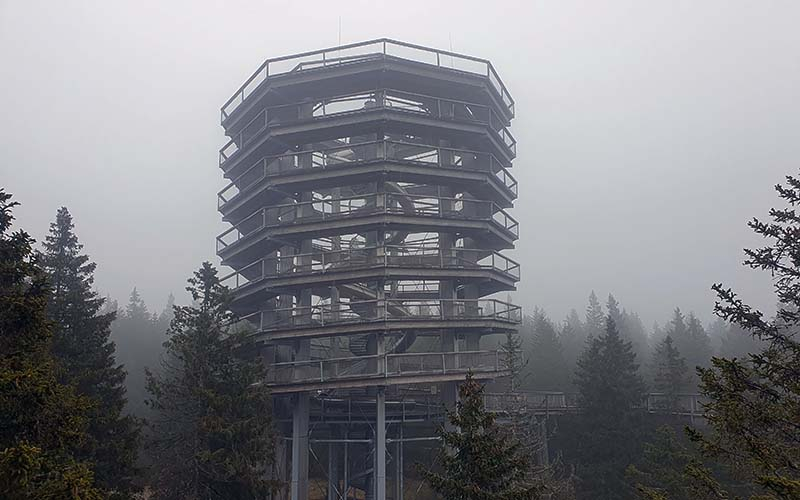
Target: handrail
<point>384,310</point>
<point>383,365</point>
<point>277,165</point>
<point>371,204</point>
<point>555,401</point>
<point>383,98</point>
<point>380,48</point>
<point>383,256</point>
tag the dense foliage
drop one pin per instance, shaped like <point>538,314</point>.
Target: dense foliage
<point>42,420</point>
<point>481,460</point>
<point>212,432</point>
<point>754,412</point>
<point>607,433</point>
<point>82,347</point>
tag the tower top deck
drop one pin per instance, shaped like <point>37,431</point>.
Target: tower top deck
<point>354,56</point>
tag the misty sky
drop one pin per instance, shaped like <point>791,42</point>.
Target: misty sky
<point>649,132</point>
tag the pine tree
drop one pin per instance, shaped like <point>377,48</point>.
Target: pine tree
<point>595,319</point>
<point>212,432</point>
<point>546,369</point>
<point>755,403</point>
<point>608,429</point>
<point>42,421</point>
<point>82,347</point>
<point>481,460</point>
<point>671,375</point>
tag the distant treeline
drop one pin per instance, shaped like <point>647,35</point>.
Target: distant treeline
<point>552,349</point>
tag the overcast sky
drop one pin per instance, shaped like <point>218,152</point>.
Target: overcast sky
<point>649,132</point>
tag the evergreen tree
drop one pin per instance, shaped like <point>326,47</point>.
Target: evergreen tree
<point>613,312</point>
<point>636,334</point>
<point>212,432</point>
<point>607,437</point>
<point>82,347</point>
<point>737,343</point>
<point>41,419</point>
<point>629,326</point>
<point>670,471</point>
<point>481,460</point>
<point>700,343</point>
<point>546,368</point>
<point>658,334</point>
<point>138,338</point>
<point>671,375</point>
<point>573,339</point>
<point>513,361</point>
<point>755,403</point>
<point>595,319</point>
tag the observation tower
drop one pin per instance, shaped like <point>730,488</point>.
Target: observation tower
<point>368,193</point>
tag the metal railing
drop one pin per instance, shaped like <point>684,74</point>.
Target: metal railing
<point>382,48</point>
<point>376,256</point>
<point>372,204</point>
<point>565,402</point>
<point>361,311</point>
<point>434,107</point>
<point>350,154</point>
<point>386,365</point>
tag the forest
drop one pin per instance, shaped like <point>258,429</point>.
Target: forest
<point>99,400</point>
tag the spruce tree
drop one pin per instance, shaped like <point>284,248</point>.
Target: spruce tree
<point>573,339</point>
<point>636,333</point>
<point>700,343</point>
<point>595,319</point>
<point>42,421</point>
<point>690,339</point>
<point>212,429</point>
<point>754,406</point>
<point>671,375</point>
<point>138,338</point>
<point>735,342</point>
<point>512,359</point>
<point>669,470</point>
<point>607,434</point>
<point>546,368</point>
<point>629,326</point>
<point>480,460</point>
<point>82,347</point>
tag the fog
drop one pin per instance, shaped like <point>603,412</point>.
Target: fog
<point>649,132</point>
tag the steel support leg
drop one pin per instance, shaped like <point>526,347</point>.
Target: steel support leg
<point>300,448</point>
<point>333,472</point>
<point>380,446</point>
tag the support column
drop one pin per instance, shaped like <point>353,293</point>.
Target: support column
<point>346,472</point>
<point>333,472</point>
<point>380,446</point>
<point>300,447</point>
<point>398,495</point>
